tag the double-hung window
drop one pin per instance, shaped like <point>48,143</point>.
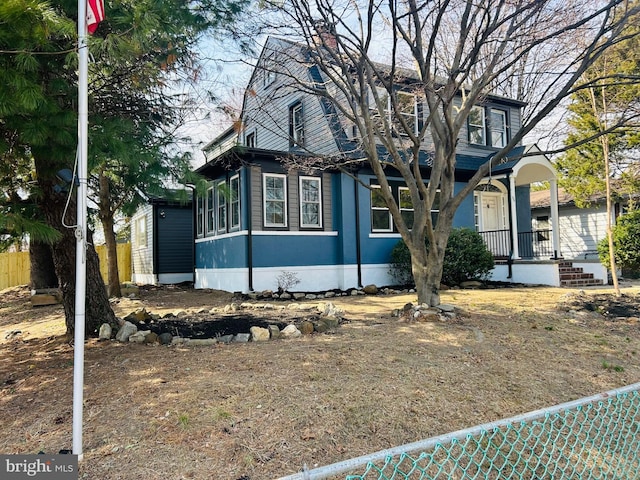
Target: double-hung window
<point>310,202</point>
<point>234,202</point>
<point>250,140</point>
<point>211,216</point>
<point>407,108</point>
<point>380,215</point>
<point>498,126</point>
<point>406,206</point>
<point>275,200</point>
<point>221,207</point>
<point>269,73</point>
<point>476,125</point>
<point>200,215</point>
<point>141,231</point>
<point>296,125</point>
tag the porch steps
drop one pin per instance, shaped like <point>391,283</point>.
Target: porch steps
<point>571,276</point>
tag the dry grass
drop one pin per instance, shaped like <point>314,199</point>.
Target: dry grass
<point>263,410</point>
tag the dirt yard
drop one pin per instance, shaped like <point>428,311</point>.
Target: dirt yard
<point>262,410</point>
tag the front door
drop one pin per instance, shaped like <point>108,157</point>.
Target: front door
<point>493,223</point>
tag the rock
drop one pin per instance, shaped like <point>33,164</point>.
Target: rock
<point>298,296</point>
<point>354,293</point>
<point>306,327</point>
<point>267,293</point>
<point>407,307</point>
<point>141,315</point>
<point>290,331</point>
<point>165,338</point>
<point>246,305</point>
<point>285,296</point>
<point>310,296</point>
<point>151,338</point>
<point>126,331</point>
<point>329,294</point>
<point>176,340</point>
<point>444,287</point>
<point>305,307</point>
<point>232,307</point>
<point>331,321</point>
<point>274,332</point>
<point>326,323</point>
<point>179,313</point>
<point>446,307</point>
<point>259,334</point>
<point>241,338</point>
<point>139,336</point>
<point>252,295</point>
<point>424,316</point>
<point>471,284</point>
<point>105,332</point>
<point>371,289</point>
<point>225,339</point>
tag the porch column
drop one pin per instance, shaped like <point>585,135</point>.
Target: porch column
<point>555,218</point>
<point>514,217</point>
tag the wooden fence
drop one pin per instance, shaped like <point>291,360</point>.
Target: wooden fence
<point>15,266</point>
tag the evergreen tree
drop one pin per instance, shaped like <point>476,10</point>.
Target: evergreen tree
<point>138,51</point>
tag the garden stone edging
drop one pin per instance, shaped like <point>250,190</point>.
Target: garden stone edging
<point>330,318</point>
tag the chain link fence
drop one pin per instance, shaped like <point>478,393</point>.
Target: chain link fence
<point>595,438</point>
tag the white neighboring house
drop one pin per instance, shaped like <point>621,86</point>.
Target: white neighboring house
<point>580,229</point>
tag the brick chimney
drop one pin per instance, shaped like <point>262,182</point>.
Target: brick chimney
<point>325,35</point>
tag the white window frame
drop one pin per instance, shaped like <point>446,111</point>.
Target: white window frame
<point>250,140</point>
<point>317,202</point>
<point>410,116</point>
<point>210,223</point>
<point>265,177</point>
<point>200,215</point>
<point>296,120</point>
<point>476,126</point>
<point>234,203</point>
<point>221,207</point>
<point>405,209</point>
<point>269,75</point>
<point>141,231</point>
<point>501,130</point>
<point>380,209</point>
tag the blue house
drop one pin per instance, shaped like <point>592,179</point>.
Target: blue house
<point>262,217</point>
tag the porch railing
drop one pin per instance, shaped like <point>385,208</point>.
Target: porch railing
<point>534,244</point>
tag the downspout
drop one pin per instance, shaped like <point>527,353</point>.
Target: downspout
<point>249,230</point>
<point>358,240</point>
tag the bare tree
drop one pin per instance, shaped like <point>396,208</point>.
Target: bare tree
<point>451,54</point>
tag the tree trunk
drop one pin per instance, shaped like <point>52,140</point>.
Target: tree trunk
<point>98,309</point>
<point>43,271</point>
<point>426,267</point>
<point>106,218</point>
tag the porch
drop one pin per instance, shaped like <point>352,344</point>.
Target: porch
<point>539,263</point>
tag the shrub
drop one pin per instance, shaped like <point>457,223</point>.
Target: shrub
<point>626,242</point>
<point>466,257</point>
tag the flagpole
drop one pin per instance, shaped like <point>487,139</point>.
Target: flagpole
<point>81,230</point>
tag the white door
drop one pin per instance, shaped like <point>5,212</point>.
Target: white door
<point>494,222</point>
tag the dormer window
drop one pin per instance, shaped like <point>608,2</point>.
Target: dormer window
<point>494,134</point>
<point>250,140</point>
<point>498,125</point>
<point>407,108</point>
<point>296,125</point>
<point>477,128</point>
<point>269,74</point>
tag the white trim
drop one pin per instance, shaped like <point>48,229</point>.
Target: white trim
<point>302,178</point>
<point>384,235</point>
<point>219,195</point>
<point>234,228</point>
<point>379,209</point>
<point>294,233</point>
<point>220,237</point>
<point>264,199</point>
<point>210,211</point>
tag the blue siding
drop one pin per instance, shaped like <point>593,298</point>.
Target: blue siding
<point>226,252</point>
<point>344,189</point>
<point>523,208</point>
<point>294,250</point>
<point>464,215</point>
